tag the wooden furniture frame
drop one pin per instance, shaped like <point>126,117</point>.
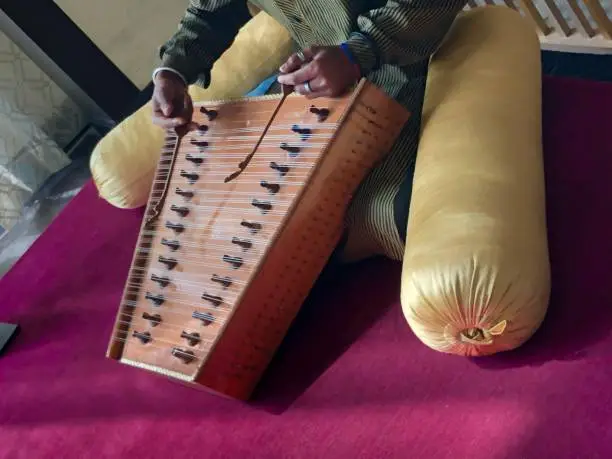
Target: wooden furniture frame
<point>579,26</point>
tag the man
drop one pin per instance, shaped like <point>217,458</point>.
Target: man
<point>387,42</point>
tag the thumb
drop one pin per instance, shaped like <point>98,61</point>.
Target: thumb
<point>166,107</point>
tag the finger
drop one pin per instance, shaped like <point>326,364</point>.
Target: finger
<point>166,108</point>
<point>316,85</point>
<point>305,73</point>
<point>154,105</point>
<point>295,61</point>
<point>325,93</point>
<point>159,119</point>
<point>188,102</point>
<point>157,116</point>
<point>291,65</point>
<point>187,113</point>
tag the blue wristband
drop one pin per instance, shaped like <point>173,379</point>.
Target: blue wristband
<point>373,46</point>
<point>349,55</point>
<point>344,47</point>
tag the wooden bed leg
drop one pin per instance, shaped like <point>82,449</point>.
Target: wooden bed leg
<point>600,16</point>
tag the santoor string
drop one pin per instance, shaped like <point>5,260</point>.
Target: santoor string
<point>239,155</point>
<point>131,338</point>
<point>177,282</point>
<point>252,250</point>
<point>226,166</point>
<point>218,133</point>
<point>213,236</point>
<point>244,164</point>
<point>214,230</point>
<point>182,312</point>
<point>215,264</point>
<point>239,193</point>
<point>256,182</point>
<point>187,307</point>
<point>203,336</point>
<point>244,147</point>
<point>179,313</point>
<point>243,204</point>
<point>222,133</point>
<point>236,115</point>
<point>247,139</point>
<point>236,206</point>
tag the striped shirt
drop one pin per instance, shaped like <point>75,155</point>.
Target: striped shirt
<point>392,42</point>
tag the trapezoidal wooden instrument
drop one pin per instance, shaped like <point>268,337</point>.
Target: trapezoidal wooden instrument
<point>243,215</point>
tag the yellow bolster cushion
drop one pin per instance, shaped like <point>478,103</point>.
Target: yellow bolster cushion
<point>476,276</point>
<point>124,161</point>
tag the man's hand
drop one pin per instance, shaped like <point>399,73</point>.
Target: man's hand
<point>172,104</point>
<point>324,72</point>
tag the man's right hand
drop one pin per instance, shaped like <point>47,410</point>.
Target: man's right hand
<point>172,104</point>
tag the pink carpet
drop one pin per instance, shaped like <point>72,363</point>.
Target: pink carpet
<point>351,381</point>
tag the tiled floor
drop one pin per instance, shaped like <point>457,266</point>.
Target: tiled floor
<point>41,211</point>
<point>585,66</point>
<point>129,32</point>
<point>46,204</point>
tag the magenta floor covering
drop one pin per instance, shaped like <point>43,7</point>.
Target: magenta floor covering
<point>351,381</point>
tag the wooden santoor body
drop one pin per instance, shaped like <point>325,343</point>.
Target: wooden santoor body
<point>221,268</point>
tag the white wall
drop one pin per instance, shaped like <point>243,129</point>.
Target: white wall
<point>129,32</point>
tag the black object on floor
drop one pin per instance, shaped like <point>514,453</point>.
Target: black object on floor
<point>596,67</point>
<point>8,332</point>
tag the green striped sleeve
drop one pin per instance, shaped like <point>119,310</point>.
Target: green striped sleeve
<point>206,31</point>
<point>402,32</point>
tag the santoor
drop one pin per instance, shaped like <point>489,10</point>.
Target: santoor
<point>475,274</point>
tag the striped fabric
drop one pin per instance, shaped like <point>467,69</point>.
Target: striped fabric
<point>392,42</point>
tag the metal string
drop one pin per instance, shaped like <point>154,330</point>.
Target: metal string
<point>181,282</point>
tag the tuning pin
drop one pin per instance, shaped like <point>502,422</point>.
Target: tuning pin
<point>169,262</point>
<point>264,206</point>
<point>211,114</point>
<point>192,177</point>
<point>155,319</point>
<point>293,151</point>
<point>192,338</point>
<point>282,170</point>
<point>144,337</point>
<point>206,317</point>
<point>322,113</point>
<point>183,354</point>
<point>199,143</point>
<point>172,245</point>
<point>235,262</point>
<point>304,132</point>
<point>176,227</point>
<point>212,299</point>
<point>194,159</point>
<point>273,188</point>
<point>157,300</point>
<point>242,243</point>
<point>224,281</point>
<point>186,194</point>
<point>162,281</point>
<point>252,226</point>
<point>182,211</point>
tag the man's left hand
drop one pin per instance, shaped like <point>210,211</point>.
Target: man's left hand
<point>323,72</point>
